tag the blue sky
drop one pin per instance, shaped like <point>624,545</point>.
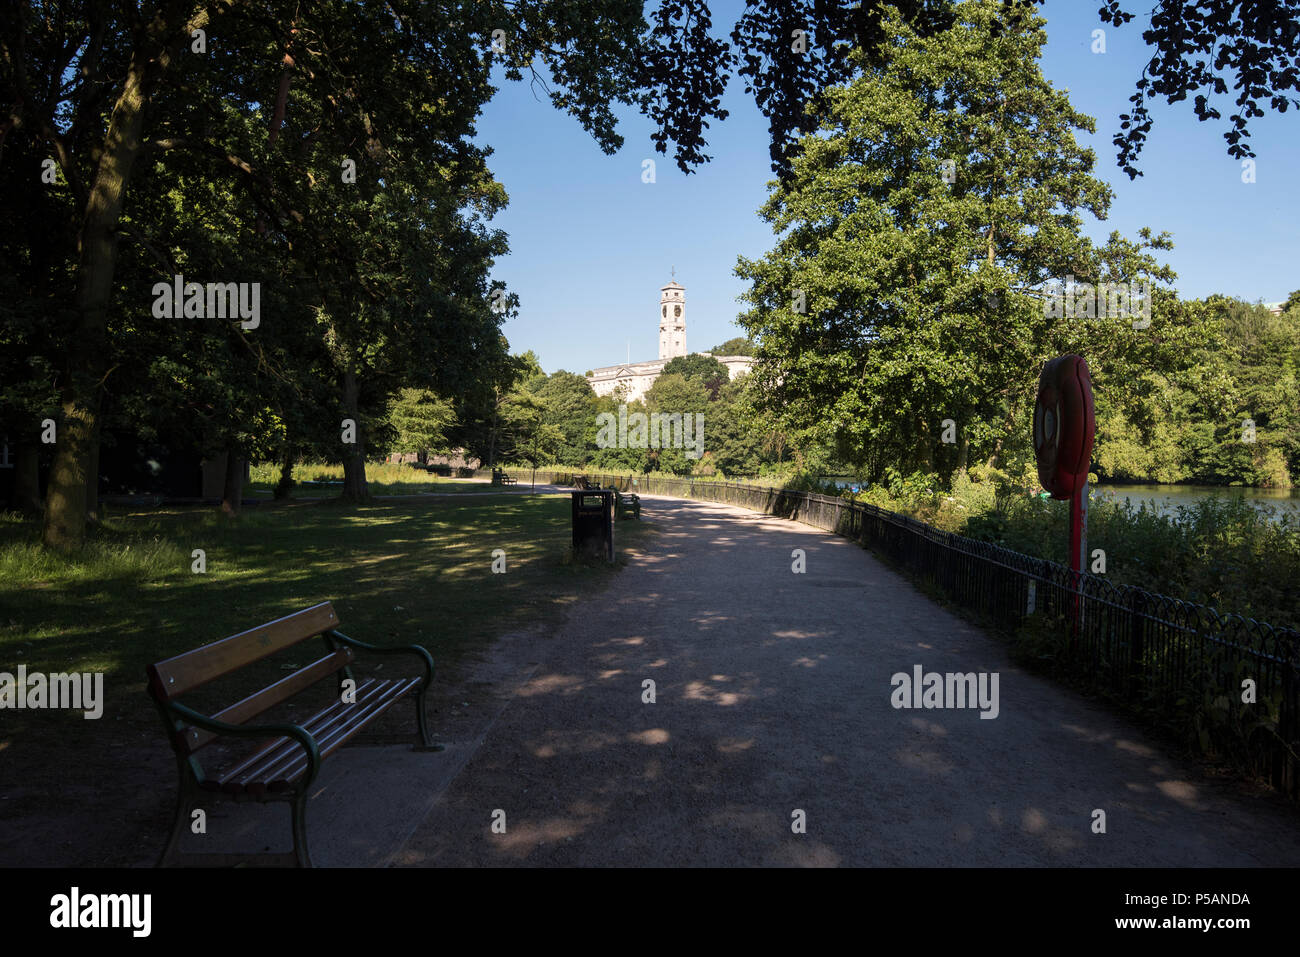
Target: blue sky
<point>591,243</point>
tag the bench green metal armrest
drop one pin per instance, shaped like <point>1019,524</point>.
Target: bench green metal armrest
<point>301,735</point>
<point>418,651</point>
<point>191,775</point>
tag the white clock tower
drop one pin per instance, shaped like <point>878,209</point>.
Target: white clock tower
<point>672,321</point>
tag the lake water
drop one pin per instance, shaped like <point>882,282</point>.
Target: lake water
<point>1167,498</point>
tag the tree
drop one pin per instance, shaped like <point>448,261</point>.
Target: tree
<point>739,346</point>
<point>481,426</point>
<point>410,306</point>
<point>896,315</point>
<point>788,52</point>
<point>421,421</point>
<point>529,437</point>
<point>84,84</point>
<point>570,405</point>
<point>33,322</point>
<point>705,370</point>
<point>618,456</point>
<point>95,132</point>
<point>1149,415</point>
<point>1258,443</point>
<point>188,378</point>
<point>675,394</point>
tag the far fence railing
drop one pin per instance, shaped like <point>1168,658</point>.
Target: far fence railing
<point>1181,662</point>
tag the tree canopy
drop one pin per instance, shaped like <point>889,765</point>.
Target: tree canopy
<point>900,314</point>
<point>326,155</point>
<point>706,370</point>
<point>739,346</point>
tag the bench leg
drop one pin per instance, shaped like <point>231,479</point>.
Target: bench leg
<point>422,719</point>
<point>184,798</point>
<point>300,853</point>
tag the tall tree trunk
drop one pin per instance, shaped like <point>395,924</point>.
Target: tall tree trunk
<point>232,489</point>
<point>285,485</point>
<point>355,488</point>
<point>997,452</point>
<point>926,448</point>
<point>65,496</point>
<point>963,454</point>
<point>27,478</point>
<point>65,500</point>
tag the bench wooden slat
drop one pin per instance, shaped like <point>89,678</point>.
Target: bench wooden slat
<point>276,765</point>
<point>228,778</point>
<point>355,721</point>
<point>265,759</point>
<point>175,676</point>
<point>255,704</point>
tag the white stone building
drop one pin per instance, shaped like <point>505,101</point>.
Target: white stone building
<point>635,378</point>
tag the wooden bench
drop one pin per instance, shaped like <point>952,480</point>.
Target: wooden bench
<point>627,504</point>
<point>507,480</point>
<point>285,765</point>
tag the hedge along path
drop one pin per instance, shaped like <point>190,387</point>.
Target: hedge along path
<point>773,695</point>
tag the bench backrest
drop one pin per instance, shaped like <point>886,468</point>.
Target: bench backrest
<point>174,677</point>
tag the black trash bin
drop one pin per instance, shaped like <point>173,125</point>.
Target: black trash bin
<point>593,522</point>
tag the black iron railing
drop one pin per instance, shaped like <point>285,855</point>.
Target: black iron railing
<point>1183,664</point>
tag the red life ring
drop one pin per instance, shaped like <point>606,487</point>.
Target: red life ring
<point>1064,426</point>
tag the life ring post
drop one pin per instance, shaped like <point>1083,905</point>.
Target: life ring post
<point>1064,429</point>
<point>1078,556</point>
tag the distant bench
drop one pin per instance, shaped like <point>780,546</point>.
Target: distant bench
<point>284,767</point>
<point>628,504</point>
<point>499,477</point>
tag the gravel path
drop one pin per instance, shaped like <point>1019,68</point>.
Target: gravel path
<point>773,695</point>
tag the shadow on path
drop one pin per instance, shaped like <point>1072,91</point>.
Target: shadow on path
<point>773,695</point>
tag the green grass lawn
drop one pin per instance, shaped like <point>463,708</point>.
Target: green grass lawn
<point>397,573</point>
<point>325,481</point>
<point>261,490</point>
